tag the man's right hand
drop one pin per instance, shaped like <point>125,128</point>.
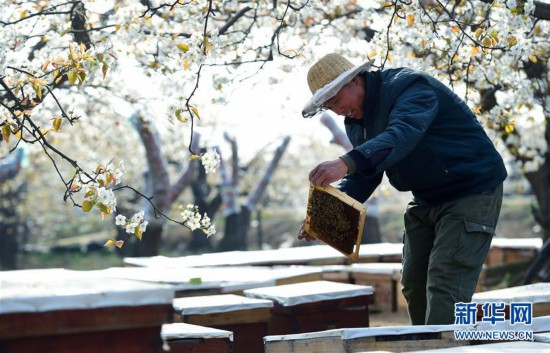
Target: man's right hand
<point>302,232</point>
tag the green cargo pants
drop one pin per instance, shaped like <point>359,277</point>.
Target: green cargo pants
<point>444,250</point>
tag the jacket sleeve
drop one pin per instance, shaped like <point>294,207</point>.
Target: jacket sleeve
<point>360,187</point>
<point>410,117</point>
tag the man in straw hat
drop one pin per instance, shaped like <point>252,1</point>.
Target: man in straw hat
<point>412,127</point>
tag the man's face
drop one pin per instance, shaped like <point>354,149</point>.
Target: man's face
<point>349,100</point>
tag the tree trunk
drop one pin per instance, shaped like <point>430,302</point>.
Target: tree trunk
<point>199,243</point>
<point>540,183</point>
<point>8,246</point>
<point>371,230</point>
<point>236,230</point>
<point>150,242</point>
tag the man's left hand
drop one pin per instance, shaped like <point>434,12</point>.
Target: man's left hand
<point>328,172</point>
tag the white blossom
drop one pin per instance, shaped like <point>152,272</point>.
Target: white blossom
<point>120,220</point>
<point>211,161</point>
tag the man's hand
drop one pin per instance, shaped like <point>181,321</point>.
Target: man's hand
<point>328,172</point>
<point>302,233</point>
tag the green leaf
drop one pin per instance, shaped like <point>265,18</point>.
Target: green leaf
<point>82,77</point>
<point>195,280</point>
<point>103,208</point>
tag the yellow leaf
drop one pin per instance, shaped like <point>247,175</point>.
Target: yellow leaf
<point>119,243</point>
<point>372,54</point>
<point>486,42</point>
<point>72,77</point>
<point>509,128</point>
<point>45,65</point>
<point>179,116</point>
<point>110,242</point>
<point>424,43</point>
<point>87,205</point>
<point>410,19</point>
<point>22,15</point>
<point>533,59</point>
<point>390,58</point>
<point>195,111</point>
<point>6,132</point>
<point>57,124</point>
<point>183,47</point>
<point>37,90</point>
<point>455,29</point>
<point>475,50</point>
<point>478,33</point>
<point>104,69</point>
<point>186,64</point>
<point>40,81</point>
<point>207,45</point>
<point>511,41</point>
<point>138,233</point>
<point>194,156</point>
<point>117,27</point>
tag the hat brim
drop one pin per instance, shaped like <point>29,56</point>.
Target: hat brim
<point>316,102</point>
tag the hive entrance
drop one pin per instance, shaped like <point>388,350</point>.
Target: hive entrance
<point>336,219</point>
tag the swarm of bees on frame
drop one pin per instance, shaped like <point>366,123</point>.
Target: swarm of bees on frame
<point>333,221</point>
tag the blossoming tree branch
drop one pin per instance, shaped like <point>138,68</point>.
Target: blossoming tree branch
<point>49,46</point>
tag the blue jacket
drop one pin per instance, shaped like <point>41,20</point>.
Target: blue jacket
<point>437,148</point>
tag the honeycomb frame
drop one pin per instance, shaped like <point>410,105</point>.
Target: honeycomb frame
<point>330,230</point>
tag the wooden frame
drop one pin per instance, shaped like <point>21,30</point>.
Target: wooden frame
<point>349,202</point>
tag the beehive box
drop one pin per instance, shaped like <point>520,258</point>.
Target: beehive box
<point>538,294</point>
<point>336,219</point>
<point>315,306</point>
<point>246,317</point>
<point>367,339</point>
<point>506,250</point>
<point>384,277</point>
<point>65,311</point>
<point>185,338</point>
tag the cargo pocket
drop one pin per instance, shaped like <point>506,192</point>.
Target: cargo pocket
<point>474,244</point>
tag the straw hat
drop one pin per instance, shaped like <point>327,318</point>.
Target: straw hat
<point>326,77</point>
